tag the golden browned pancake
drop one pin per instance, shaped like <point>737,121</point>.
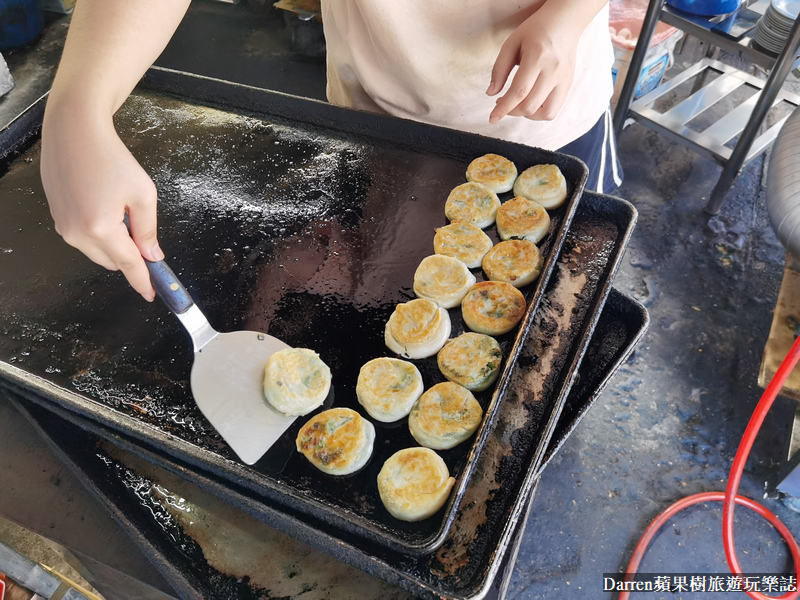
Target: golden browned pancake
<point>337,441</point>
<point>471,360</point>
<point>517,262</point>
<point>544,184</point>
<point>388,387</point>
<point>443,279</point>
<point>493,307</point>
<point>417,329</point>
<point>296,381</point>
<point>494,171</point>
<point>414,484</point>
<point>464,241</point>
<point>444,416</point>
<point>522,219</point>
<point>472,203</point>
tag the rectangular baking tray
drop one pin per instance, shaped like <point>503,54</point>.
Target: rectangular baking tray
<point>119,487</point>
<point>472,554</point>
<point>622,324</point>
<point>280,214</point>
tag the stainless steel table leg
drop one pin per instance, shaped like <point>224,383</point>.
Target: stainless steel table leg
<point>635,67</point>
<point>734,164</point>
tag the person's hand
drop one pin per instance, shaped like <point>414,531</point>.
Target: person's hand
<point>91,180</point>
<point>544,46</point>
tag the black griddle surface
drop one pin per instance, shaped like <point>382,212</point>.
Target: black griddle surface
<point>126,491</point>
<point>308,232</point>
<point>509,467</point>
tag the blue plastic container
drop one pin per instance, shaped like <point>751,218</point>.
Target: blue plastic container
<point>706,8</point>
<point>21,21</point>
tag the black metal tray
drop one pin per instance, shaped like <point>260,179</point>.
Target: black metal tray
<point>497,497</point>
<point>121,488</point>
<point>280,214</point>
<point>622,324</point>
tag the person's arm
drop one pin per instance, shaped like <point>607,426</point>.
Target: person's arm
<point>544,46</point>
<point>90,178</point>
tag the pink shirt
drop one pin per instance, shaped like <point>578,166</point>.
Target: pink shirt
<point>431,61</point>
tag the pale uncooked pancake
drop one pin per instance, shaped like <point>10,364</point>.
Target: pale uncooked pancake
<point>296,381</point>
<point>544,184</point>
<point>414,484</point>
<point>444,416</point>
<point>337,441</point>
<point>471,360</point>
<point>493,307</point>
<point>494,171</point>
<point>522,219</point>
<point>517,262</point>
<point>463,241</point>
<point>417,329</point>
<point>443,279</point>
<point>388,387</point>
<point>472,203</point>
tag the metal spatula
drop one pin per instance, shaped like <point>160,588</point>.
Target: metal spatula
<point>227,373</point>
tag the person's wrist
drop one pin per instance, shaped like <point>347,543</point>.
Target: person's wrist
<point>79,105</point>
<point>561,21</point>
<point>71,117</point>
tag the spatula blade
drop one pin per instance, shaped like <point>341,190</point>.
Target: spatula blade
<point>227,384</point>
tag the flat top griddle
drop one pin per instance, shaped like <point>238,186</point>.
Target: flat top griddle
<point>283,215</point>
<point>482,541</point>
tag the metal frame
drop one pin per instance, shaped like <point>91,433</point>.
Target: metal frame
<point>33,576</point>
<point>788,480</point>
<point>711,141</point>
<point>749,145</point>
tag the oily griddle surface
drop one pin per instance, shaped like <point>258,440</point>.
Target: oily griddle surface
<point>310,235</point>
<point>480,535</point>
<point>145,506</point>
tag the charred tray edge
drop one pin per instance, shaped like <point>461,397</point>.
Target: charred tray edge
<point>524,486</point>
<point>411,134</point>
<point>633,317</point>
<point>629,314</point>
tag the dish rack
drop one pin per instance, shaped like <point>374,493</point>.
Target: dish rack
<point>738,135</point>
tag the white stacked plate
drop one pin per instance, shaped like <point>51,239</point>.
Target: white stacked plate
<point>774,27</point>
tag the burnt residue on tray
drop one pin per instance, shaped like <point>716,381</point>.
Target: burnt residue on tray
<point>155,500</point>
<point>311,235</point>
<point>204,547</point>
<point>590,254</point>
<point>146,508</point>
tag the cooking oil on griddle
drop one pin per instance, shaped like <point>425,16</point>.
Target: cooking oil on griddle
<point>310,234</point>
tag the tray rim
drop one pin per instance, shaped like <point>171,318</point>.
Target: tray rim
<point>506,566</point>
<point>233,96</point>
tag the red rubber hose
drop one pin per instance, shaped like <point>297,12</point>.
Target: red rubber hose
<point>730,497</point>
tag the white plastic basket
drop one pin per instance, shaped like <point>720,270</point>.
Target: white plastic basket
<point>658,59</point>
<point>625,25</point>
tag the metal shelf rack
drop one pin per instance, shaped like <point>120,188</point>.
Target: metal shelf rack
<point>744,122</point>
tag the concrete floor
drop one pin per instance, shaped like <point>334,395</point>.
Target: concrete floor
<point>669,424</point>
